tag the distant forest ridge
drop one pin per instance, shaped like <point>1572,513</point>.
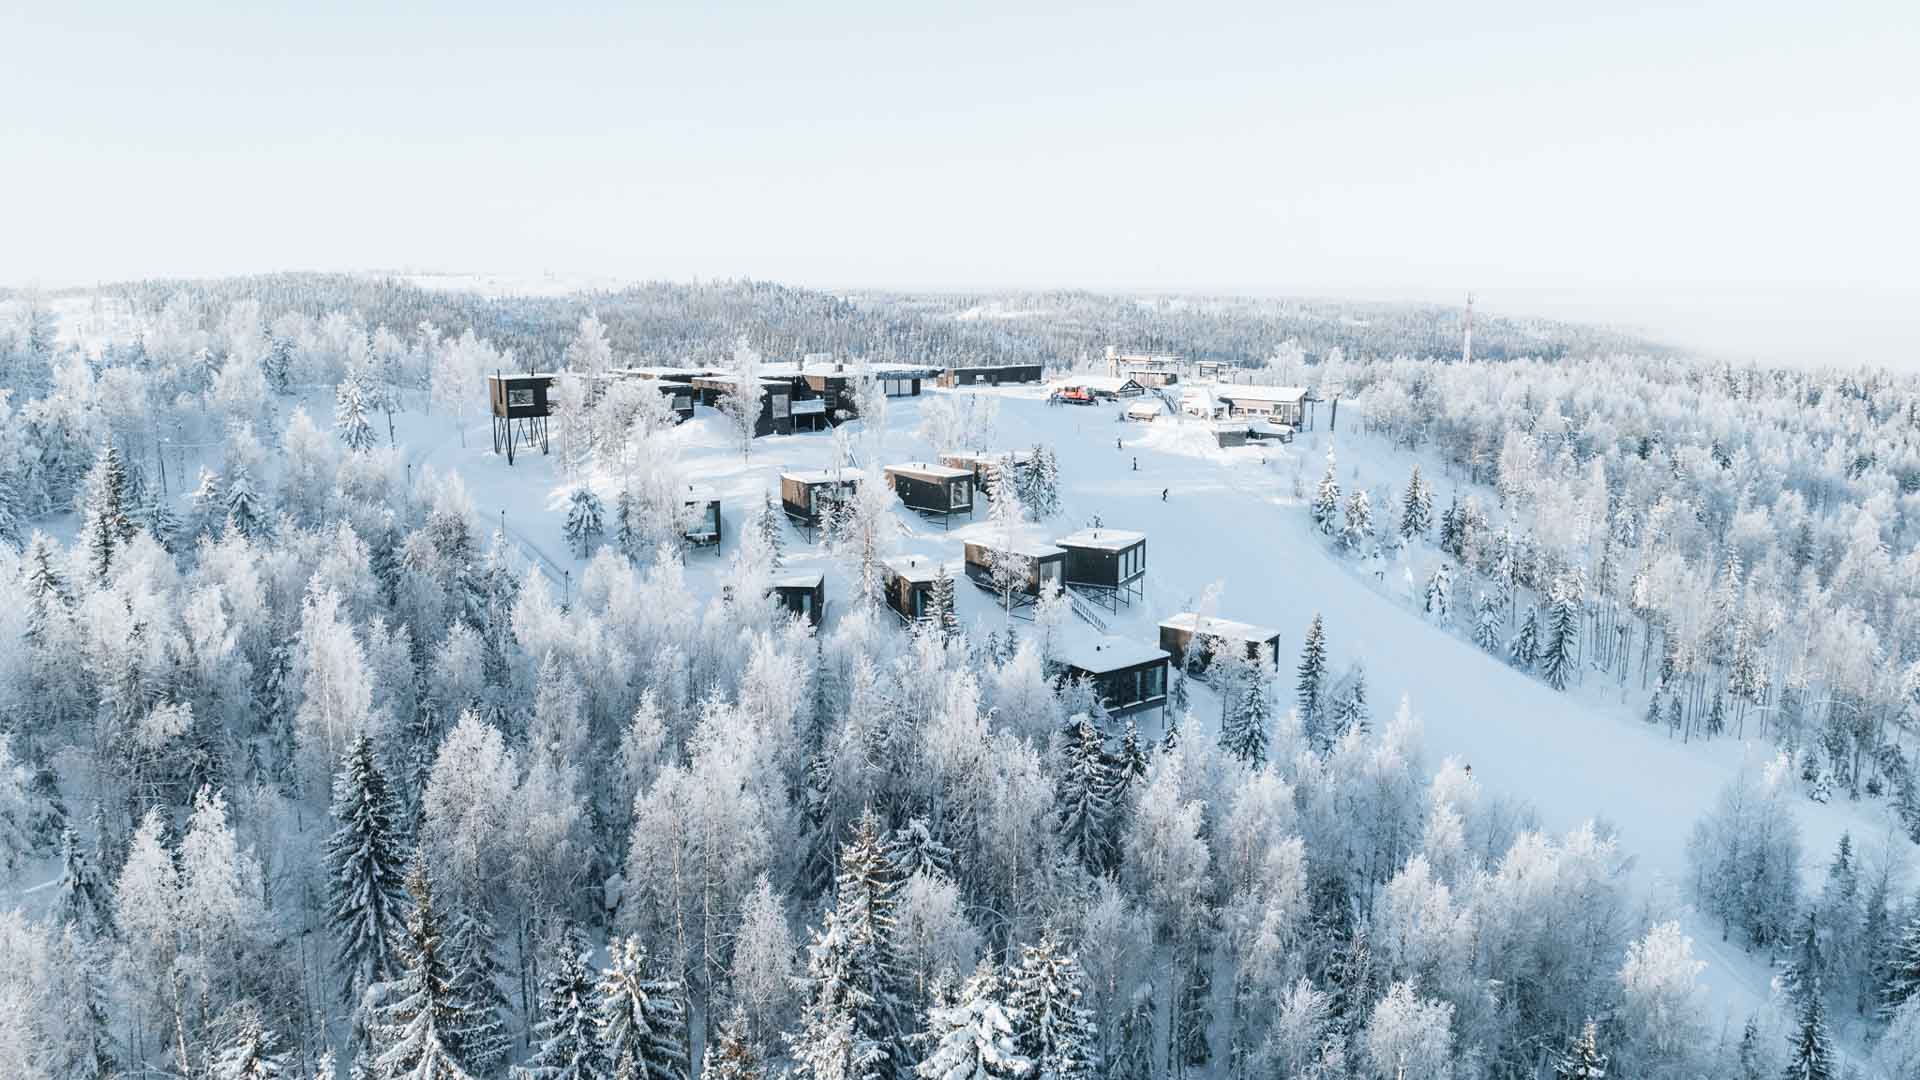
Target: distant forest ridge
<point>674,322</point>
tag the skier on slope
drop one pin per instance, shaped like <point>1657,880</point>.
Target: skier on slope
<point>1136,464</point>
<point>1163,494</point>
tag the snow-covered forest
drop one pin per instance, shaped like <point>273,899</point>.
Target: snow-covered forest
<point>332,746</point>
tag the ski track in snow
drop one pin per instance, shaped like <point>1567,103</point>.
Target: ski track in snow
<point>1228,518</point>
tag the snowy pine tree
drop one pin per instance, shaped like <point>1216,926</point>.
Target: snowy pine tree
<point>107,513</point>
<point>83,900</point>
<point>251,1052</point>
<point>1810,1053</point>
<point>423,1006</point>
<point>1524,649</point>
<point>1252,729</point>
<point>973,1037</point>
<point>1326,499</point>
<point>772,531</point>
<point>641,1017</point>
<point>1489,619</point>
<point>1440,594</point>
<point>733,1056</point>
<point>1557,651</point>
<point>566,1046</point>
<point>1349,710</point>
<point>1310,687</point>
<point>478,1035</point>
<point>366,872</point>
<point>246,509</point>
<point>350,413</point>
<point>1083,796</point>
<point>851,1026</point>
<point>1416,508</point>
<point>942,606</point>
<point>1903,967</point>
<point>1356,536</point>
<point>628,534</point>
<point>1053,1029</point>
<point>584,526</point>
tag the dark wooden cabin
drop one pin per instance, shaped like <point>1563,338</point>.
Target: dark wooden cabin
<point>1043,565</point>
<point>810,497</point>
<point>804,595</point>
<point>778,414</point>
<point>933,491</point>
<point>991,375</point>
<point>704,525</point>
<point>1107,565</point>
<point>676,384</point>
<point>1177,636</point>
<point>908,583</point>
<point>1129,677</point>
<point>521,405</point>
<point>986,467</point>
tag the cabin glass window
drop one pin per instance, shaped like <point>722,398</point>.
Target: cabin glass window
<point>1049,572</point>
<point>1153,679</point>
<point>960,495</point>
<point>520,398</point>
<point>779,404</point>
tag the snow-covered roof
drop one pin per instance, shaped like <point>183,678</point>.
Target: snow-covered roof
<point>509,376</point>
<point>924,471</point>
<point>1278,394</point>
<point>822,476</point>
<point>662,372</point>
<point>698,494</point>
<point>1106,653</point>
<point>799,581</point>
<point>1145,408</point>
<point>1033,549</point>
<point>915,568</point>
<point>1019,456</point>
<point>1103,539</point>
<point>1225,628</point>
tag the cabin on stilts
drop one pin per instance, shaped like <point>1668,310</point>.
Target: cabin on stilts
<point>804,595</point>
<point>932,491</point>
<point>702,508</point>
<point>810,498</point>
<point>1032,569</point>
<point>1127,676</point>
<point>1178,637</point>
<point>1106,565</point>
<point>991,375</point>
<point>986,467</point>
<point>908,583</point>
<point>521,405</point>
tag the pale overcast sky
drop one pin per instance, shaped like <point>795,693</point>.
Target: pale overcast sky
<point>1687,167</point>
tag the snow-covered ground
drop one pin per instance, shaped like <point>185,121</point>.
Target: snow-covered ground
<point>1229,516</point>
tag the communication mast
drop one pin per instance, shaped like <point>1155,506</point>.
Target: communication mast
<point>1466,343</point>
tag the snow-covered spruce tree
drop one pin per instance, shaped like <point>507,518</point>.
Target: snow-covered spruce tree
<point>478,1036</point>
<point>350,414</point>
<point>1440,594</point>
<point>83,901</point>
<point>1053,1030</point>
<point>851,1026</point>
<point>629,537</point>
<point>1745,854</point>
<point>1583,1060</point>
<point>973,1037</point>
<point>1557,652</point>
<point>945,617</point>
<point>1810,1054</point>
<point>107,512</point>
<point>1356,535</point>
<point>1902,982</point>
<point>1039,484</point>
<point>1416,509</point>
<point>641,1017</point>
<point>1083,793</point>
<point>1129,767</point>
<point>1252,730</point>
<point>1349,710</point>
<point>366,871</point>
<point>251,1051</point>
<point>771,528</point>
<point>1326,499</point>
<point>1450,529</point>
<point>584,525</point>
<point>1524,650</point>
<point>565,1044</point>
<point>246,509</point>
<point>423,1008</point>
<point>1310,686</point>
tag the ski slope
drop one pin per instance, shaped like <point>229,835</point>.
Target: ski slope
<point>1228,516</point>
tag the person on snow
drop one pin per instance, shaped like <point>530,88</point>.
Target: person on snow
<point>1163,494</point>
<point>1136,464</point>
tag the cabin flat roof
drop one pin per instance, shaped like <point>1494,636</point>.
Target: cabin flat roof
<point>800,581</point>
<point>510,376</point>
<point>1103,539</point>
<point>1100,654</point>
<point>663,372</point>
<point>932,472</point>
<point>1035,549</point>
<point>1225,628</point>
<point>1260,393</point>
<point>822,476</point>
<point>1018,456</point>
<point>695,493</point>
<point>915,568</point>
